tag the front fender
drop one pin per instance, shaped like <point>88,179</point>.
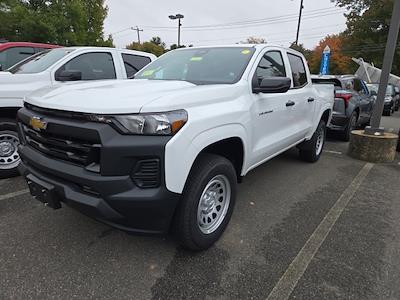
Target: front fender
<point>182,151</point>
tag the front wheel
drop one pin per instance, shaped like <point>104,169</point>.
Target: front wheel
<point>311,150</point>
<point>207,203</point>
<point>9,157</point>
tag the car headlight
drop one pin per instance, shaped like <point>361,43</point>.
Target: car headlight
<point>166,123</point>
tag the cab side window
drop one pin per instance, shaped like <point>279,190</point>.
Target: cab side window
<point>134,63</point>
<point>271,65</point>
<point>93,66</point>
<point>299,73</point>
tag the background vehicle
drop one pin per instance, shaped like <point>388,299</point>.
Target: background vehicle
<point>13,53</point>
<point>170,147</point>
<point>392,98</point>
<point>354,104</point>
<point>53,68</point>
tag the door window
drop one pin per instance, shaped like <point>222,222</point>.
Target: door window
<point>11,56</point>
<point>93,66</point>
<point>271,65</point>
<point>359,87</point>
<point>134,63</point>
<point>299,73</point>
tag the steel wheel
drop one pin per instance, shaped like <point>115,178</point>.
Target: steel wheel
<point>319,145</point>
<point>9,157</point>
<point>214,204</point>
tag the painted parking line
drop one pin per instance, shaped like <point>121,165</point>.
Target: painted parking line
<point>333,152</point>
<point>14,194</point>
<point>287,283</point>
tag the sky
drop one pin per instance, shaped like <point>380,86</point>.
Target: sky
<point>216,22</point>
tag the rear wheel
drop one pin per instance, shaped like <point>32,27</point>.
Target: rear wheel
<point>9,141</point>
<point>311,150</point>
<point>207,202</point>
<point>350,127</point>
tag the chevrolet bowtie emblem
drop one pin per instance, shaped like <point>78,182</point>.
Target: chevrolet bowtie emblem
<point>38,123</point>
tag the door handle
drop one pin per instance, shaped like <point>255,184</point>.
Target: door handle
<point>290,103</point>
<point>311,99</point>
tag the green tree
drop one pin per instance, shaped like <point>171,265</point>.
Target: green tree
<point>63,22</point>
<point>155,46</point>
<point>306,52</point>
<point>367,31</point>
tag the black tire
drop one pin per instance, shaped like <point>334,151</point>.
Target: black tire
<point>9,127</point>
<point>308,150</point>
<point>350,127</point>
<point>387,113</point>
<point>186,224</point>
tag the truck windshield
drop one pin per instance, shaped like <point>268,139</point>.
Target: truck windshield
<point>40,62</point>
<point>223,65</point>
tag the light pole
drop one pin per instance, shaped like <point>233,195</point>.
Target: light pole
<point>390,51</point>
<point>298,26</point>
<point>178,17</point>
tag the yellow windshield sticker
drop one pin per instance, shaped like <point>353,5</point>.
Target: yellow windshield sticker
<point>246,51</point>
<point>148,73</point>
<point>196,58</point>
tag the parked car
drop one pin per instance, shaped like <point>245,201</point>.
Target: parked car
<point>392,97</point>
<point>12,53</point>
<point>397,93</point>
<point>354,104</point>
<point>54,68</point>
<point>166,150</point>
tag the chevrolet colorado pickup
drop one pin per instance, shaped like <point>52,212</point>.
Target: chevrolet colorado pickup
<point>164,152</point>
<point>54,68</point>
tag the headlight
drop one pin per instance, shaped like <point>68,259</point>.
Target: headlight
<point>167,123</point>
<point>388,99</point>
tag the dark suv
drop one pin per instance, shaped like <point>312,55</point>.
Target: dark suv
<point>353,104</point>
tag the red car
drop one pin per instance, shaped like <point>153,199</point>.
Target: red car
<point>14,52</point>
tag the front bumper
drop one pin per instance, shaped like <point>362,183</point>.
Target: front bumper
<point>388,106</point>
<point>109,195</point>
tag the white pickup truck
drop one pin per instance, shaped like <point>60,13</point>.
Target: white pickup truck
<point>54,68</point>
<point>165,151</point>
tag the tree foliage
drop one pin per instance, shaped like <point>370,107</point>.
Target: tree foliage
<point>62,22</point>
<point>155,46</point>
<point>254,40</point>
<point>367,31</point>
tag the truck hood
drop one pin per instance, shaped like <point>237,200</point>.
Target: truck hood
<point>119,96</point>
<point>17,86</point>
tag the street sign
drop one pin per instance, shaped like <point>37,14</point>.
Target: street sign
<point>326,57</point>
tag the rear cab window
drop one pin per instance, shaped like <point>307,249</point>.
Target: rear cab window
<point>299,73</point>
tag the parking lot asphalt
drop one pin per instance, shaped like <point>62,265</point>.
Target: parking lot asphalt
<point>281,207</point>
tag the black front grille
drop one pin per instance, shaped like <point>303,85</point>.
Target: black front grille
<point>147,173</point>
<point>61,147</point>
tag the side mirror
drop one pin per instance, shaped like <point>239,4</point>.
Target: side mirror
<point>374,93</point>
<point>68,75</point>
<point>272,85</point>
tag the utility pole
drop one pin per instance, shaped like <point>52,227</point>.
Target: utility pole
<point>390,51</point>
<point>138,32</point>
<point>178,17</point>
<point>298,26</point>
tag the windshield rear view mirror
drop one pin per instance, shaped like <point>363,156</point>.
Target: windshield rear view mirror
<point>272,85</point>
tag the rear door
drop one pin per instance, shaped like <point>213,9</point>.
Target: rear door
<point>365,100</point>
<point>301,114</point>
